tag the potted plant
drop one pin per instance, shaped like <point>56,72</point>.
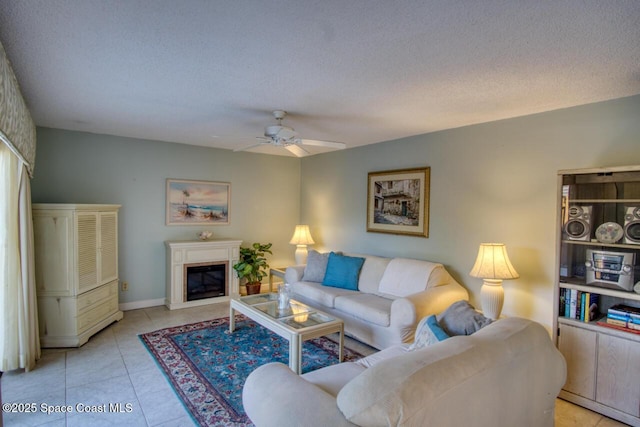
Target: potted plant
<point>253,266</point>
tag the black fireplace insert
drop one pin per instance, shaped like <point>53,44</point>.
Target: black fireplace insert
<point>205,280</point>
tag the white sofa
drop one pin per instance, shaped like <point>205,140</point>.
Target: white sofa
<point>506,374</point>
<point>393,295</point>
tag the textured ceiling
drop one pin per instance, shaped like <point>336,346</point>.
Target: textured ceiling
<point>209,72</point>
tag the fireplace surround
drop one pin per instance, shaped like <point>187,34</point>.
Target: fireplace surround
<point>204,266</point>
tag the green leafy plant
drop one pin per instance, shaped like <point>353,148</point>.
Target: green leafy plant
<point>252,264</point>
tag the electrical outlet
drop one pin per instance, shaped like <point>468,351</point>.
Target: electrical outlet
<point>125,286</point>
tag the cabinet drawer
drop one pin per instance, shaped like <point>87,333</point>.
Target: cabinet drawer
<point>95,297</point>
<point>97,313</point>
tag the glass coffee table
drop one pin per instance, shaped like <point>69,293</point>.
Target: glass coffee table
<point>296,323</point>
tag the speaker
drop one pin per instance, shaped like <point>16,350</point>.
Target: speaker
<point>632,225</point>
<point>578,225</point>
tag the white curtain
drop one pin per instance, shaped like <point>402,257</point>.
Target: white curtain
<point>19,338</point>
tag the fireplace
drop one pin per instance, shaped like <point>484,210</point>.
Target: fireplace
<point>199,272</point>
<point>206,280</point>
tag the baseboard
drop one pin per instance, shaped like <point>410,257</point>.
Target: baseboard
<point>126,306</point>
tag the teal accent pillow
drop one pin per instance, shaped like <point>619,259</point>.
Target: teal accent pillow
<point>428,333</point>
<point>342,271</point>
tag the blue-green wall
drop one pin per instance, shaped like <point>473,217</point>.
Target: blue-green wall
<point>76,167</point>
<point>489,182</point>
<point>493,182</point>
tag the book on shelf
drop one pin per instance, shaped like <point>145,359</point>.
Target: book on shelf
<point>617,315</point>
<point>591,312</point>
<point>579,305</point>
<point>617,322</point>
<point>624,315</point>
<point>617,327</point>
<point>573,304</point>
<point>634,326</point>
<point>624,309</point>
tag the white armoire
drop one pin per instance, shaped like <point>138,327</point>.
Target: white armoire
<point>76,256</point>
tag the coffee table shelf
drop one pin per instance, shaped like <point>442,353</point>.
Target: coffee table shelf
<point>296,323</point>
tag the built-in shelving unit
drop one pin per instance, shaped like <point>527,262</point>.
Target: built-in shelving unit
<point>598,257</point>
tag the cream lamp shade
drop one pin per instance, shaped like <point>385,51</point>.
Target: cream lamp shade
<point>493,266</point>
<point>301,238</point>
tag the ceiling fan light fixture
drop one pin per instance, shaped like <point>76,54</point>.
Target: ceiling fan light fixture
<point>280,135</point>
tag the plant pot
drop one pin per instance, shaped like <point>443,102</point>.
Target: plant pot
<point>253,288</point>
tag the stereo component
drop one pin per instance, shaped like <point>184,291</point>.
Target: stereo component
<point>632,225</point>
<point>578,225</point>
<point>608,269</point>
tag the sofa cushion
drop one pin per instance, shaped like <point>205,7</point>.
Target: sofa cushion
<point>428,333</point>
<point>316,266</point>
<point>371,273</point>
<point>461,318</point>
<point>315,292</point>
<point>393,393</point>
<point>404,277</point>
<point>379,356</point>
<point>332,378</point>
<point>343,271</point>
<point>371,308</point>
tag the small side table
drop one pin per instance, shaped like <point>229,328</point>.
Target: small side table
<point>278,272</point>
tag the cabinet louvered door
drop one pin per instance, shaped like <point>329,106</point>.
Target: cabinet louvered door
<point>108,247</point>
<point>76,255</point>
<point>87,251</point>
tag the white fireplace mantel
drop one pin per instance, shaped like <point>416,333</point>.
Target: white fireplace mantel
<point>180,253</point>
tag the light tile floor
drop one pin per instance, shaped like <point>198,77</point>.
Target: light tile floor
<point>114,368</point>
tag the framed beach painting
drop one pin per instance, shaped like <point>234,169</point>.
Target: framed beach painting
<point>398,202</point>
<point>198,202</point>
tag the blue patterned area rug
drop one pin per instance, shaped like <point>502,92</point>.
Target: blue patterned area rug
<point>207,366</point>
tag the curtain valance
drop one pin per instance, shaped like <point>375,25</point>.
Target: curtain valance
<point>17,129</point>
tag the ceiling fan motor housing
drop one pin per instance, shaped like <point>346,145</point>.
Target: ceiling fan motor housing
<point>279,132</point>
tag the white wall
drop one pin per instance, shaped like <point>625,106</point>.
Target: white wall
<point>76,167</point>
<point>493,182</point>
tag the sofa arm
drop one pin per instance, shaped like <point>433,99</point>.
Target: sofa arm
<point>293,274</point>
<point>275,396</point>
<point>438,299</point>
<point>409,310</point>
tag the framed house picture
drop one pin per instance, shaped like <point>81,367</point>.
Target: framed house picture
<point>398,202</point>
<point>197,202</point>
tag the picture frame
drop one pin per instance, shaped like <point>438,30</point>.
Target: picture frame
<point>398,201</point>
<point>197,202</point>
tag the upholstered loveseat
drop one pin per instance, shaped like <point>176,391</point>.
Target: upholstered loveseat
<point>506,374</point>
<point>381,300</point>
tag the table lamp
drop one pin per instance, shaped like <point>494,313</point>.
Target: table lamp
<point>493,266</point>
<point>301,238</point>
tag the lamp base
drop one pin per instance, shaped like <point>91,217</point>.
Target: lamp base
<point>492,297</point>
<point>301,254</point>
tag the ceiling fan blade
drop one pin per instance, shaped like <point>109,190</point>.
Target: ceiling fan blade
<point>297,150</point>
<point>330,144</point>
<point>250,147</point>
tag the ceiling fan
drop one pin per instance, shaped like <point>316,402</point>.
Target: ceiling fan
<point>280,135</point>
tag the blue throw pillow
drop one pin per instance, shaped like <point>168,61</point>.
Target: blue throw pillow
<point>342,271</point>
<point>428,332</point>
